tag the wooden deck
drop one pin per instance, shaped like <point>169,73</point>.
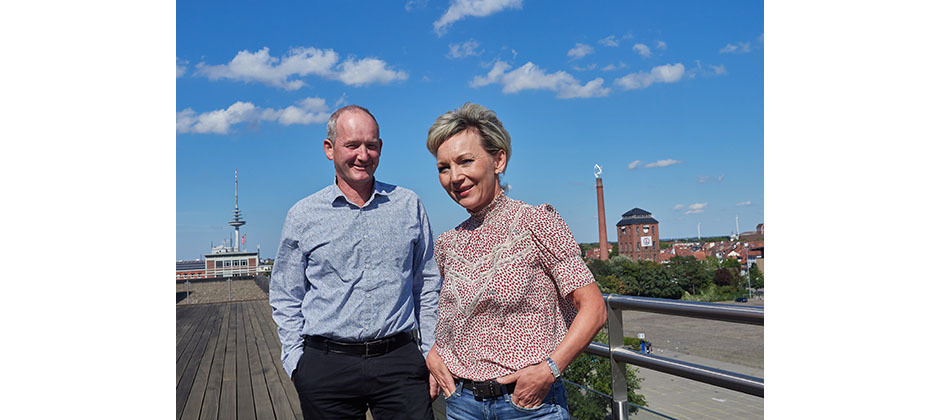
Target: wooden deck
<point>228,364</point>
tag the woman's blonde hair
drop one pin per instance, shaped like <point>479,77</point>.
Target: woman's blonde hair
<point>470,116</point>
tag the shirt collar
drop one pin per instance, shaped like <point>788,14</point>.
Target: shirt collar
<point>498,203</point>
<point>378,188</point>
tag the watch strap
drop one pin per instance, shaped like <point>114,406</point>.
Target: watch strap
<point>551,365</point>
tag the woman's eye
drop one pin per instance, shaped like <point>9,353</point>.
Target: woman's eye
<point>441,169</point>
<point>466,161</point>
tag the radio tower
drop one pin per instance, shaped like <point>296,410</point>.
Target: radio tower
<point>236,215</point>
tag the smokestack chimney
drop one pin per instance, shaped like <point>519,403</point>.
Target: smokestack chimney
<point>602,220</point>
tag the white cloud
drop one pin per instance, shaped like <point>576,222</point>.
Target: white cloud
<point>299,62</point>
<point>662,163</point>
<point>719,70</point>
<point>678,207</point>
<point>588,67</point>
<point>180,67</point>
<point>660,45</point>
<point>610,41</point>
<point>696,208</point>
<point>634,164</point>
<point>642,49</point>
<point>580,50</point>
<point>466,49</point>
<point>366,71</point>
<point>531,77</point>
<point>739,48</point>
<point>220,121</point>
<point>415,4</point>
<point>617,66</point>
<point>460,9</point>
<point>703,178</point>
<point>744,203</point>
<point>659,74</point>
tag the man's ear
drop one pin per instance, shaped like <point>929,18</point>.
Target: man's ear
<point>328,149</point>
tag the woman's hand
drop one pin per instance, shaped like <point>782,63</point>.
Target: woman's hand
<point>440,377</point>
<point>532,384</point>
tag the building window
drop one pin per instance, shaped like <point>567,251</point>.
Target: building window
<point>646,228</point>
<point>245,263</point>
<point>653,228</point>
<point>228,263</point>
<point>637,230</point>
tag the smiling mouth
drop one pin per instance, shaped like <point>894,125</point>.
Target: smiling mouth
<point>463,192</point>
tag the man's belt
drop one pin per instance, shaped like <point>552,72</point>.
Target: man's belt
<point>486,389</point>
<point>364,349</point>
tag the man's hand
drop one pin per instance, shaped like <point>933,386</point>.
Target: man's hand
<point>440,376</point>
<point>532,384</point>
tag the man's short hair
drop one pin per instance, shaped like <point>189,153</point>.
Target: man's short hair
<point>470,116</point>
<point>331,123</point>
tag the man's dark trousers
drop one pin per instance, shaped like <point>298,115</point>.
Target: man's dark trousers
<point>335,386</point>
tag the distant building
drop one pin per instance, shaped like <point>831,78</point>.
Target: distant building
<point>190,270</point>
<point>230,262</point>
<point>638,235</point>
<point>595,253</point>
<point>753,235</point>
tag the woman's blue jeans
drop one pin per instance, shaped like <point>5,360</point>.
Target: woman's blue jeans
<point>461,405</point>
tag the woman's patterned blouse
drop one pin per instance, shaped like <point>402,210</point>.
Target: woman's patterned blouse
<point>504,305</point>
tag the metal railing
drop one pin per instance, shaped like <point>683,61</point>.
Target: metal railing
<point>620,355</point>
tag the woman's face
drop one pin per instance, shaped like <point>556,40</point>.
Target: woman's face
<point>467,172</point>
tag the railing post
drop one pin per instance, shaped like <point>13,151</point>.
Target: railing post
<point>618,370</point>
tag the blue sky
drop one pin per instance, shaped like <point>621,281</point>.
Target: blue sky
<point>667,97</point>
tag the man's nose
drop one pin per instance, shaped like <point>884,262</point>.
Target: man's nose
<point>362,153</point>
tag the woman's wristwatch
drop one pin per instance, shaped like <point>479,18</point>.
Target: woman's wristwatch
<point>551,365</point>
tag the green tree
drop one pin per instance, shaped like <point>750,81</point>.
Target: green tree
<point>757,278</point>
<point>689,273</point>
<point>723,277</point>
<point>594,372</point>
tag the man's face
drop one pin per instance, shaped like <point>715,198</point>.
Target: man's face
<point>355,152</point>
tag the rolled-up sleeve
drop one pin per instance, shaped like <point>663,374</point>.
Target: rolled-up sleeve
<point>427,282</point>
<point>287,290</point>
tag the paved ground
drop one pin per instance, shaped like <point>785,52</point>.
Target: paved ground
<point>734,347</point>
<point>217,292</point>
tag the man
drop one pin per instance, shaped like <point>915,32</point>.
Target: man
<point>353,278</point>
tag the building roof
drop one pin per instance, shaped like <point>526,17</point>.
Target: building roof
<point>643,221</point>
<point>637,212</point>
<point>190,265</point>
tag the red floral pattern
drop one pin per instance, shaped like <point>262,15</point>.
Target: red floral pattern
<point>504,305</point>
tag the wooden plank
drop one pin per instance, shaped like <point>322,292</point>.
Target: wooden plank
<point>185,358</point>
<point>227,407</point>
<point>263,408</point>
<point>269,329</point>
<point>270,365</point>
<point>210,403</point>
<point>188,376</point>
<point>190,337</point>
<point>245,406</point>
<point>186,318</point>
<point>200,383</point>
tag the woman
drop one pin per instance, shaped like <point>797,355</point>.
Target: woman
<point>518,304</point>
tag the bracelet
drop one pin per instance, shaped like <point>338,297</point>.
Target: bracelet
<point>551,365</point>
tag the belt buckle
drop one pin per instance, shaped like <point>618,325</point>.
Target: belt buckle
<point>375,344</point>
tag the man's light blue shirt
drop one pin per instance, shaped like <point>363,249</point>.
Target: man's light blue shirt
<point>353,273</point>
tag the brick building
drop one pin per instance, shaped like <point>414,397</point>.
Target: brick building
<point>638,235</point>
